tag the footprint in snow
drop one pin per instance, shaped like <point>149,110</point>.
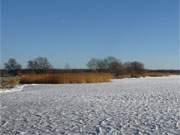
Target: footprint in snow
<point>99,130</point>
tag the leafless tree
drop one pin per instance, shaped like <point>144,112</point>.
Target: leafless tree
<point>134,66</point>
<point>110,64</point>
<point>12,65</point>
<point>114,65</point>
<point>40,63</point>
<point>67,66</point>
<point>93,64</point>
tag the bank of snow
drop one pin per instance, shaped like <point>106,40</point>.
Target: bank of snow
<point>15,89</point>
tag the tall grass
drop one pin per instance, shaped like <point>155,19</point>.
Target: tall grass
<point>65,78</point>
<point>8,82</point>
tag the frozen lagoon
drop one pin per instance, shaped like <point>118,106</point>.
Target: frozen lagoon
<point>147,106</point>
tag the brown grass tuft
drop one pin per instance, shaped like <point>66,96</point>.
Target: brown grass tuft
<point>65,78</point>
<point>8,82</point>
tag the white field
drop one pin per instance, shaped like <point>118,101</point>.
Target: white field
<point>144,106</point>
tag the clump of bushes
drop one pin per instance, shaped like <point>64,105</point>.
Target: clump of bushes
<point>9,82</point>
<point>116,67</point>
<point>65,78</point>
<point>156,74</point>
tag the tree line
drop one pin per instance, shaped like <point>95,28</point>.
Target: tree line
<point>110,64</point>
<point>39,63</point>
<point>115,66</point>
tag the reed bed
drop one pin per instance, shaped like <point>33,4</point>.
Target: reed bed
<point>65,78</point>
<point>9,82</point>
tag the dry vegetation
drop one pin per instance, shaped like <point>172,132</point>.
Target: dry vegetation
<point>66,78</point>
<point>74,77</point>
<point>143,74</point>
<point>8,82</point>
<point>157,74</point>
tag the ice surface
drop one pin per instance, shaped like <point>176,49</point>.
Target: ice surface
<point>144,106</point>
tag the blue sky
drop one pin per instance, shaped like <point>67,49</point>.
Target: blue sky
<point>73,31</point>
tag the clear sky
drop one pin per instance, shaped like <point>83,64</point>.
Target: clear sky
<point>73,31</point>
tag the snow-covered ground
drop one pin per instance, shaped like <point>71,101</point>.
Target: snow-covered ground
<point>147,106</point>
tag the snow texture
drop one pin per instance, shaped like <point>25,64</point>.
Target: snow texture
<point>144,106</point>
<point>18,88</point>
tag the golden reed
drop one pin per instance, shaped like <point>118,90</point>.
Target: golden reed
<point>65,78</point>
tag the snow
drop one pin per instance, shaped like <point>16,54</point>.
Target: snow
<point>143,106</point>
<point>17,88</point>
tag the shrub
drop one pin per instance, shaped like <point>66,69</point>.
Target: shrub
<point>9,82</point>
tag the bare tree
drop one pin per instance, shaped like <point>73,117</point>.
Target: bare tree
<point>67,66</point>
<point>110,64</point>
<point>109,60</point>
<point>40,63</point>
<point>12,65</point>
<point>93,64</point>
<point>134,66</point>
<point>114,65</point>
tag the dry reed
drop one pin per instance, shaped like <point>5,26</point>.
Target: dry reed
<point>65,78</point>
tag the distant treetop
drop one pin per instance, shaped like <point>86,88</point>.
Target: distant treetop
<point>39,63</point>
